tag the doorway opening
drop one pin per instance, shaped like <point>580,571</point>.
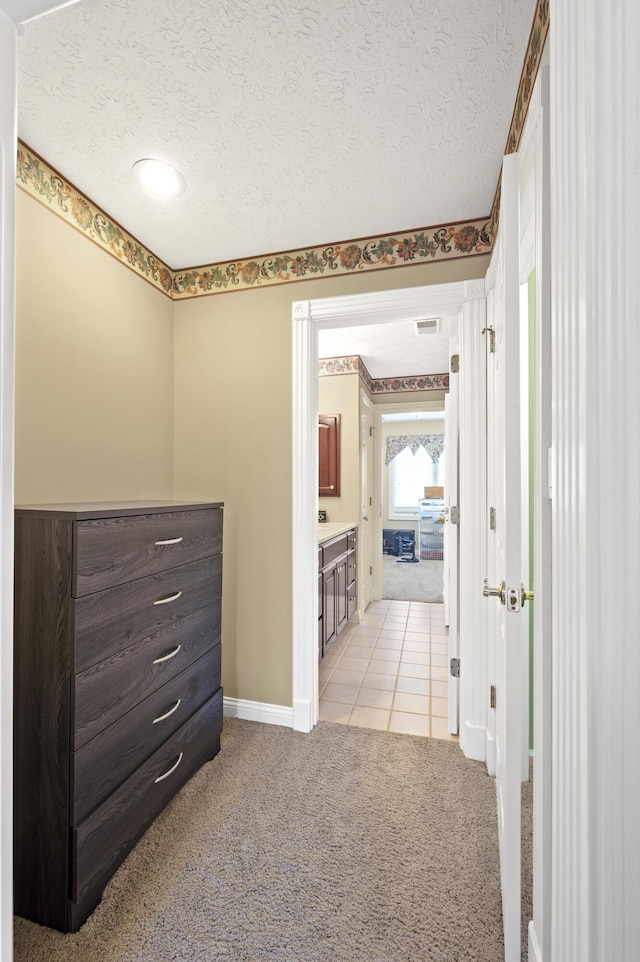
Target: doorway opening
<point>309,318</point>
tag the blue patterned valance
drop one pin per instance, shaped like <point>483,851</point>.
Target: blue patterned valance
<point>432,443</point>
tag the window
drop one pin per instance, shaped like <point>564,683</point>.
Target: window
<point>409,474</point>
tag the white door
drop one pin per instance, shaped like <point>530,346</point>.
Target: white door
<point>451,453</point>
<point>365,535</point>
<point>508,621</point>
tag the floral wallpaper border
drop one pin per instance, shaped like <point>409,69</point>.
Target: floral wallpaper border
<point>400,249</point>
<point>44,183</point>
<point>353,364</point>
<point>403,249</point>
<point>530,67</point>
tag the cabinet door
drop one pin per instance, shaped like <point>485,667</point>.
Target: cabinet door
<point>341,593</point>
<point>329,455</point>
<point>329,605</point>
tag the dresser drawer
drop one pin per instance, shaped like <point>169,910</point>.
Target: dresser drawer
<point>104,692</point>
<point>100,844</point>
<point>108,621</point>
<point>108,759</point>
<point>111,551</point>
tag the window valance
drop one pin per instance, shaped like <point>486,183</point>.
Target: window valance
<point>432,443</point>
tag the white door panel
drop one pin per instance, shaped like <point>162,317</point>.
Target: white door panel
<point>451,450</point>
<point>508,621</point>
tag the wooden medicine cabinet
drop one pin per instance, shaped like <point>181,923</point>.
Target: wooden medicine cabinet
<point>329,455</point>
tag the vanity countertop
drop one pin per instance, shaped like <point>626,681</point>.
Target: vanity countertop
<point>330,529</point>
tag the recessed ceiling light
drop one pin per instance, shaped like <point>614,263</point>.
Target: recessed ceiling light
<point>159,178</point>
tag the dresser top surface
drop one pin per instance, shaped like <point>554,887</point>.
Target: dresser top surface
<point>87,510</point>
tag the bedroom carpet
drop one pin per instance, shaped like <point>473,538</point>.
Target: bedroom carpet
<point>344,845</point>
<point>409,581</point>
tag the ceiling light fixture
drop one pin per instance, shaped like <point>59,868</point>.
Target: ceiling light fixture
<point>159,178</point>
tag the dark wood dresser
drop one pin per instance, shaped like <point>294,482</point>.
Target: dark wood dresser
<point>117,686</point>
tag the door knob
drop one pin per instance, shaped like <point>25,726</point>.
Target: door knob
<point>365,517</point>
<point>494,592</point>
<point>525,595</point>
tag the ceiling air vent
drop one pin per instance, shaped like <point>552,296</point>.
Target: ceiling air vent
<point>430,326</point>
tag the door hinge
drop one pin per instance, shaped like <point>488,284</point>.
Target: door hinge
<point>454,666</point>
<point>492,519</point>
<point>455,363</point>
<point>370,502</point>
<point>370,432</point>
<point>492,696</point>
<point>370,569</point>
<point>454,514</point>
<point>492,338</point>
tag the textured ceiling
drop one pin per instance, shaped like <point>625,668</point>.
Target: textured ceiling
<point>390,350</point>
<point>295,122</point>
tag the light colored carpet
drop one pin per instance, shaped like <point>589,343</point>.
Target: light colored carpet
<point>345,845</point>
<point>406,581</point>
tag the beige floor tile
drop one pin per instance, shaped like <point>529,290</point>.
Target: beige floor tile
<point>414,657</point>
<point>439,674</point>
<point>363,717</point>
<point>334,711</point>
<point>324,675</point>
<point>439,629</point>
<point>414,686</point>
<point>439,648</point>
<point>366,631</point>
<point>387,654</point>
<point>345,694</point>
<point>440,707</point>
<point>440,660</point>
<point>407,724</point>
<point>389,634</point>
<point>380,667</point>
<point>375,698</point>
<point>345,676</point>
<point>414,671</point>
<point>379,680</point>
<point>359,651</point>
<point>440,729</point>
<point>440,689</point>
<point>423,636</point>
<point>393,644</point>
<point>404,701</point>
<point>351,662</point>
<point>416,646</point>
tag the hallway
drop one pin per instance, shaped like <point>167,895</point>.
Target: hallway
<point>390,672</point>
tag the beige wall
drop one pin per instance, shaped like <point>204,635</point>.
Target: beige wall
<point>340,394</point>
<point>94,370</point>
<point>103,364</point>
<point>233,442</point>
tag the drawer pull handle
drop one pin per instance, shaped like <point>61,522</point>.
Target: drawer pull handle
<point>172,654</point>
<point>170,541</point>
<point>165,601</point>
<point>172,769</point>
<point>167,713</point>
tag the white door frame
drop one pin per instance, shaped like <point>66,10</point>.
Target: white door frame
<point>416,303</point>
<point>12,13</point>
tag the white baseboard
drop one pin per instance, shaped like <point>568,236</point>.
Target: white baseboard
<point>472,741</point>
<point>491,754</point>
<point>535,954</point>
<point>258,711</point>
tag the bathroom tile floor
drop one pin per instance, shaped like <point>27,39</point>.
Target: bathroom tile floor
<point>391,671</point>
